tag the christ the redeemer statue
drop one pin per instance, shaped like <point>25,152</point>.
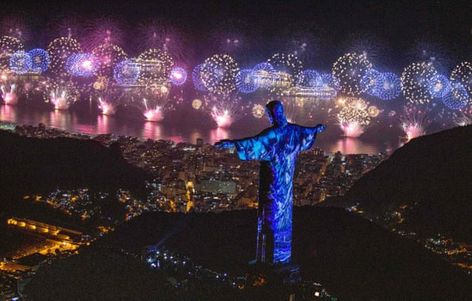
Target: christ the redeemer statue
<point>276,148</point>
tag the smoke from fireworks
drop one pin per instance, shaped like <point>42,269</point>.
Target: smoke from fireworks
<point>103,31</point>
<point>165,36</point>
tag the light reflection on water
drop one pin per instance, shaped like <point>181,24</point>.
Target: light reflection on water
<point>356,146</point>
<point>93,125</point>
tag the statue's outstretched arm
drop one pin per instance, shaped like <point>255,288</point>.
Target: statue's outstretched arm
<point>227,143</point>
<point>319,128</point>
<point>258,147</point>
<point>308,136</point>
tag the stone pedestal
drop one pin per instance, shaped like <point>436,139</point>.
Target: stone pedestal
<point>285,274</point>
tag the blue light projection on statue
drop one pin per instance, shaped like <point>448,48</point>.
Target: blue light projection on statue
<point>277,148</point>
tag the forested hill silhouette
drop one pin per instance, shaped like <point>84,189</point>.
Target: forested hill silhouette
<point>352,257</point>
<point>432,176</point>
<point>40,165</point>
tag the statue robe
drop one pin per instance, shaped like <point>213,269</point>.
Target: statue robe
<point>277,148</point>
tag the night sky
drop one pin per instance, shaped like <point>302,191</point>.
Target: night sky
<point>393,31</point>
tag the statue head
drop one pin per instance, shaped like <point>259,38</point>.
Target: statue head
<point>275,110</point>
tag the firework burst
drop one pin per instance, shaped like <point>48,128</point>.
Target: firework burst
<point>389,87</point>
<point>224,110</point>
<point>107,94</point>
<point>258,111</point>
<point>439,86</point>
<point>81,64</point>
<point>155,66</point>
<point>108,56</point>
<point>178,76</point>
<point>457,98</point>
<point>288,70</point>
<point>156,102</point>
<point>462,74</point>
<point>61,94</point>
<point>197,104</point>
<point>219,74</point>
<point>20,62</point>
<point>246,81</point>
<point>60,49</point>
<point>309,78</point>
<point>103,31</point>
<point>414,120</point>
<point>415,82</point>
<point>165,36</point>
<point>464,116</point>
<point>39,60</point>
<point>9,93</point>
<point>349,70</point>
<point>262,74</point>
<point>8,46</point>
<point>197,79</point>
<point>355,115</point>
<point>126,73</point>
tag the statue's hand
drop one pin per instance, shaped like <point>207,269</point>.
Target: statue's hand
<point>320,128</point>
<point>224,144</point>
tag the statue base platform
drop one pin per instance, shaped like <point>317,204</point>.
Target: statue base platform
<point>283,274</point>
